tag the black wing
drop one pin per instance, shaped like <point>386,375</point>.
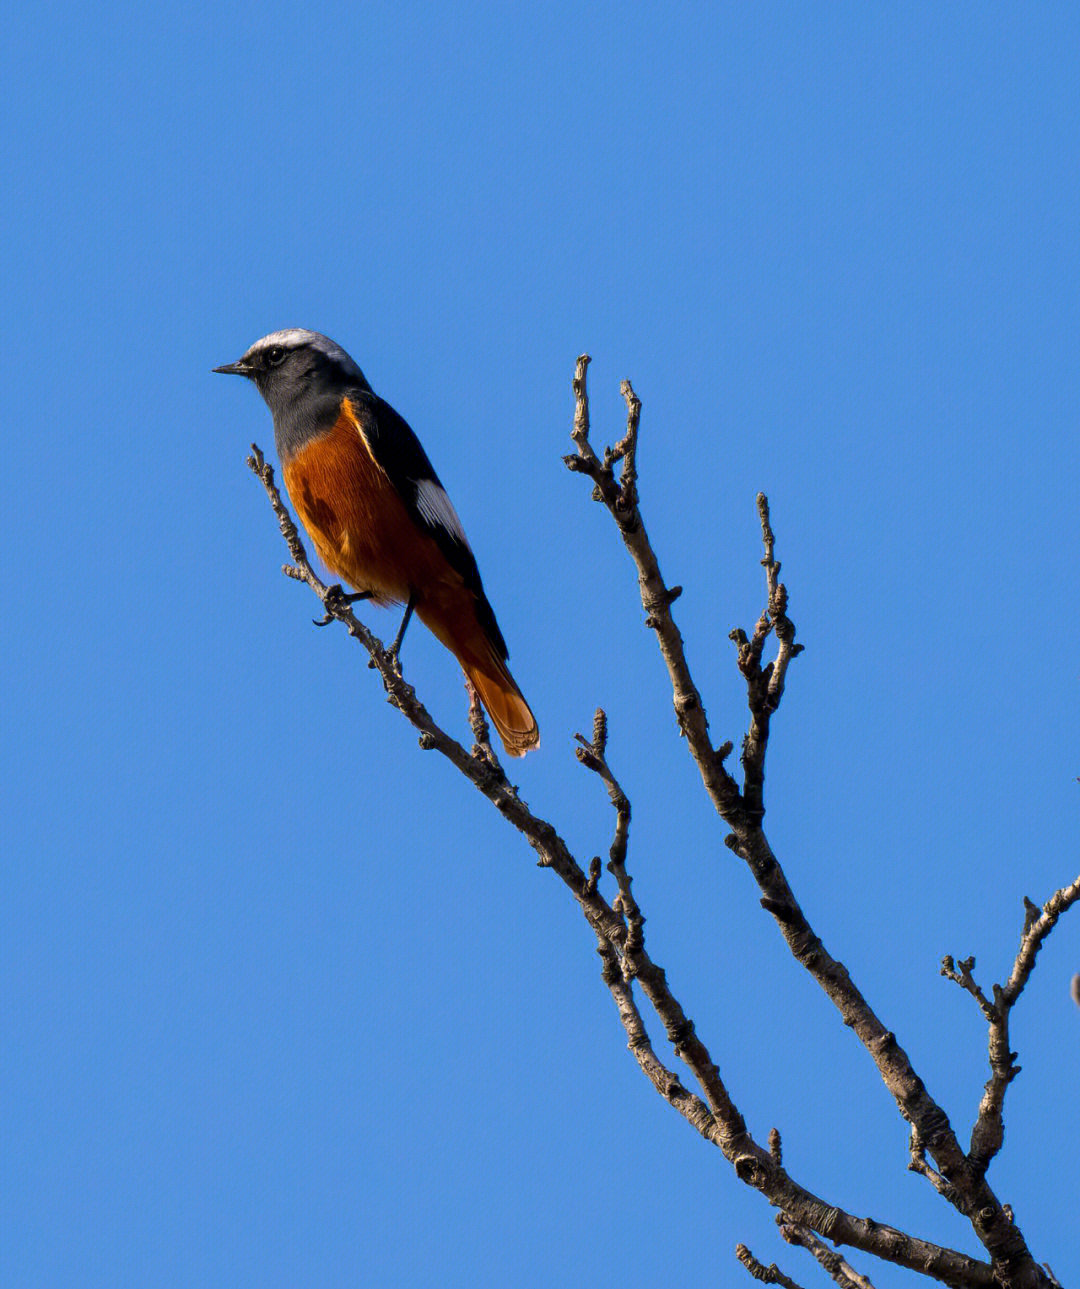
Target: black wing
<point>399,453</point>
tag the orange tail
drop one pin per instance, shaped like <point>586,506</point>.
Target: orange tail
<point>505,705</point>
<point>452,618</point>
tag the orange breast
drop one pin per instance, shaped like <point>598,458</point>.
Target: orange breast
<point>358,522</point>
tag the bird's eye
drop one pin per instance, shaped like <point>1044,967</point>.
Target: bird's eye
<point>275,355</point>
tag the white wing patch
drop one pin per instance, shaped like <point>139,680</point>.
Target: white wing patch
<point>435,507</point>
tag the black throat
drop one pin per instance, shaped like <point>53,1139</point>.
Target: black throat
<point>305,400</point>
<point>307,415</point>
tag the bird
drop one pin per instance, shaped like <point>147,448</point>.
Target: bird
<point>377,513</point>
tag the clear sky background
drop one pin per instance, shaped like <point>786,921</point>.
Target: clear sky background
<point>285,1002</point>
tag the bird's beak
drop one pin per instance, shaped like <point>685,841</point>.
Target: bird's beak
<point>238,368</point>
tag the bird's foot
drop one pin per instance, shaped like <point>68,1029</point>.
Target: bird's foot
<point>335,600</point>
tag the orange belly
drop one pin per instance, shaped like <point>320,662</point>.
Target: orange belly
<point>358,522</point>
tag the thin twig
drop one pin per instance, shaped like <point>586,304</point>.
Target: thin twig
<point>478,723</point>
<point>768,1275</point>
<point>764,683</point>
<point>989,1131</point>
<point>665,1081</point>
<point>842,1272</point>
<point>626,448</point>
<point>960,973</point>
<point>656,596</point>
<point>592,756</point>
<point>918,1164</point>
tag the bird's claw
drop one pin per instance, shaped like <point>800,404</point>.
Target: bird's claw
<point>335,601</point>
<point>332,600</point>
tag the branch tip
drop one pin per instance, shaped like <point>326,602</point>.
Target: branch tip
<point>599,736</point>
<point>768,1275</point>
<point>988,1134</point>
<point>776,1148</point>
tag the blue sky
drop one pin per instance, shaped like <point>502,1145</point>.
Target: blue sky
<point>284,1002</point>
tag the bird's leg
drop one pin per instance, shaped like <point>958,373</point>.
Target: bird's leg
<point>395,648</point>
<point>336,596</point>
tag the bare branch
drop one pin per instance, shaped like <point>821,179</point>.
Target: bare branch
<point>580,432</point>
<point>764,684</point>
<point>744,810</point>
<point>919,1165</point>
<point>946,1265</point>
<point>619,973</point>
<point>781,623</point>
<point>591,755</point>
<point>796,1232</point>
<point>478,723</point>
<point>1037,926</point>
<point>989,1131</point>
<point>622,963</point>
<point>769,1275</point>
<point>841,1271</point>
<point>960,972</point>
<point>665,1081</point>
<point>656,596</point>
<point>626,448</point>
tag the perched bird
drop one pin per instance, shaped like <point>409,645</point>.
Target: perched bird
<point>376,511</point>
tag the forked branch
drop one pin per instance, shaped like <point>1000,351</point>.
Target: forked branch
<point>989,1131</point>
<point>960,1178</point>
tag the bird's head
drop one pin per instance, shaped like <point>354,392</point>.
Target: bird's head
<point>287,365</point>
